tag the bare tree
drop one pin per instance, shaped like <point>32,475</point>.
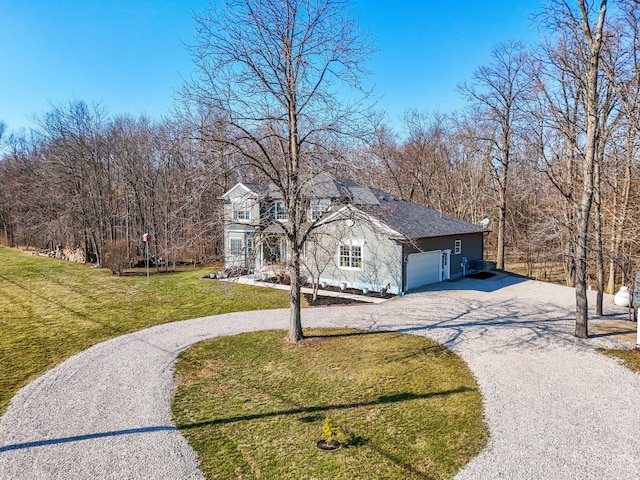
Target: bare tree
<point>425,158</point>
<point>439,164</point>
<point>591,33</point>
<point>575,63</point>
<point>76,152</point>
<point>622,70</point>
<point>605,132</point>
<point>3,130</point>
<point>470,188</point>
<point>319,253</point>
<point>385,162</point>
<point>497,93</point>
<point>269,69</point>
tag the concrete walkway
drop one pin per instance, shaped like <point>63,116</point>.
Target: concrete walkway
<point>623,330</point>
<point>555,408</point>
<point>373,298</point>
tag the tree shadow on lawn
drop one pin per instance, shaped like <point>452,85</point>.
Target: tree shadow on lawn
<point>384,399</point>
<point>395,398</point>
<point>353,333</point>
<point>355,440</point>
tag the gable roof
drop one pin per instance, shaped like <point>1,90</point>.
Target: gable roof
<point>411,220</point>
<point>247,189</point>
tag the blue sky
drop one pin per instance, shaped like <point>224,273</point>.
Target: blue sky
<point>129,55</point>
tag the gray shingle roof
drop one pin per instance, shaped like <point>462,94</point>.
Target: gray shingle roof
<point>411,220</point>
<point>322,185</point>
<point>415,221</point>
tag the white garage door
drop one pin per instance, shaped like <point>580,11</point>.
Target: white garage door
<point>423,269</point>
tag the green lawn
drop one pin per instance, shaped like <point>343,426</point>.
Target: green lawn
<point>253,406</point>
<point>51,309</point>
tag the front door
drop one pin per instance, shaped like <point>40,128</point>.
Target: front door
<point>275,250</point>
<point>446,267</point>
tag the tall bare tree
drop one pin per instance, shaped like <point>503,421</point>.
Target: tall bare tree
<point>622,70</point>
<point>573,64</point>
<point>76,152</point>
<point>497,93</point>
<point>3,130</point>
<point>590,32</point>
<point>269,70</point>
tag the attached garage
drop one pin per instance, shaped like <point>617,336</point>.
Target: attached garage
<point>372,240</point>
<point>423,269</point>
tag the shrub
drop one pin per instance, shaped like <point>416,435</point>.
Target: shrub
<point>331,432</point>
<point>116,256</point>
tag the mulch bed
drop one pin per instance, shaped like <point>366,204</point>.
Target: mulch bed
<point>481,275</point>
<point>325,301</point>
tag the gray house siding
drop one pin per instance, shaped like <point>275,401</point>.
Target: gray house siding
<point>471,248</point>
<point>381,257</point>
<point>240,230</point>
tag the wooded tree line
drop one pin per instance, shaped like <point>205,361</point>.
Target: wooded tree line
<point>546,149</point>
<point>82,179</point>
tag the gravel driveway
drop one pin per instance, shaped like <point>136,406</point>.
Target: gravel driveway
<point>555,408</point>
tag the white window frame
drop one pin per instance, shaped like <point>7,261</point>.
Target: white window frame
<point>317,208</point>
<point>353,253</point>
<point>457,247</point>
<point>285,253</point>
<point>278,211</point>
<point>239,247</point>
<point>251,244</point>
<point>241,209</point>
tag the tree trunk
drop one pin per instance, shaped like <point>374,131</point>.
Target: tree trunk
<point>582,307</point>
<point>8,232</point>
<point>620,211</point>
<point>295,320</point>
<point>588,163</point>
<point>598,231</point>
<point>316,286</point>
<point>502,184</point>
<point>501,230</point>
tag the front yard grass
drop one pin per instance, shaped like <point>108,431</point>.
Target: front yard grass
<point>51,309</point>
<point>630,358</point>
<point>253,406</point>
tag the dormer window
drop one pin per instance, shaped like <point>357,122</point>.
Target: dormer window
<point>241,210</point>
<point>317,208</point>
<point>278,211</point>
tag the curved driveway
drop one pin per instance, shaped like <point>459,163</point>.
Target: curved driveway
<point>555,408</point>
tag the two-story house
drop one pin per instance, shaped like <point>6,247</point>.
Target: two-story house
<point>363,238</point>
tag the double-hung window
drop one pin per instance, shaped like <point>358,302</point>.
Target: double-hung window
<point>351,256</point>
<point>241,210</point>
<point>317,209</point>
<point>235,246</point>
<point>278,210</point>
<point>250,246</point>
<point>457,247</point>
